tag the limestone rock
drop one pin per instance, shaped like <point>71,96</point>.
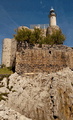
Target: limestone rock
<point>9,114</point>
<point>4,82</point>
<point>42,96</point>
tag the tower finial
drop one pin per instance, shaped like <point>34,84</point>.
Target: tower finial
<point>51,8</point>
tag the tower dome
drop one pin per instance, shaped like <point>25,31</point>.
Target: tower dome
<point>52,12</point>
<point>52,16</point>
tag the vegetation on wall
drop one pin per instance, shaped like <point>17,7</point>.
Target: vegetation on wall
<point>56,38</point>
<point>36,36</point>
<point>24,35</point>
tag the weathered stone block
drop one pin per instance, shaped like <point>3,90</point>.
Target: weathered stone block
<point>44,59</point>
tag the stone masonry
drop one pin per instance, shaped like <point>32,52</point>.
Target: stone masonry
<point>46,59</point>
<point>8,52</point>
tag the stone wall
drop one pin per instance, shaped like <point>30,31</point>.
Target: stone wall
<point>13,52</point>
<point>8,52</point>
<point>52,29</point>
<point>46,59</point>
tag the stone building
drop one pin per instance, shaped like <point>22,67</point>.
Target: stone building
<point>8,52</point>
<point>10,45</point>
<point>46,59</point>
<point>52,22</point>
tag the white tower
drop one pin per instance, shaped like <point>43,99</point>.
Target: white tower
<point>52,17</point>
<point>8,51</point>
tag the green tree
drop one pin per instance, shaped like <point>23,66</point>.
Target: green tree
<point>56,38</point>
<point>23,35</point>
<point>36,36</point>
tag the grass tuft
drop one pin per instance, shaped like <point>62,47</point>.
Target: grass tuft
<point>5,71</point>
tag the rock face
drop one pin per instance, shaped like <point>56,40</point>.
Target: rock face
<point>45,59</point>
<point>9,114</point>
<point>41,96</point>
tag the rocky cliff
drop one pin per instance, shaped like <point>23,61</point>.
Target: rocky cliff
<point>45,59</point>
<point>40,96</point>
<point>9,114</point>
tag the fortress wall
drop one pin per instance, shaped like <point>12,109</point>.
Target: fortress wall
<point>13,51</point>
<point>8,51</point>
<point>43,60</point>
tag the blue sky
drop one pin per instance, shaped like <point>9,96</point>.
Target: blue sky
<point>14,13</point>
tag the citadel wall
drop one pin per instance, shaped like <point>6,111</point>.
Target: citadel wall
<point>40,55</point>
<point>44,59</point>
<point>8,52</point>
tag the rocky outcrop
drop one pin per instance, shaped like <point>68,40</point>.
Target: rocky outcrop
<point>46,59</point>
<point>9,114</point>
<point>41,96</point>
